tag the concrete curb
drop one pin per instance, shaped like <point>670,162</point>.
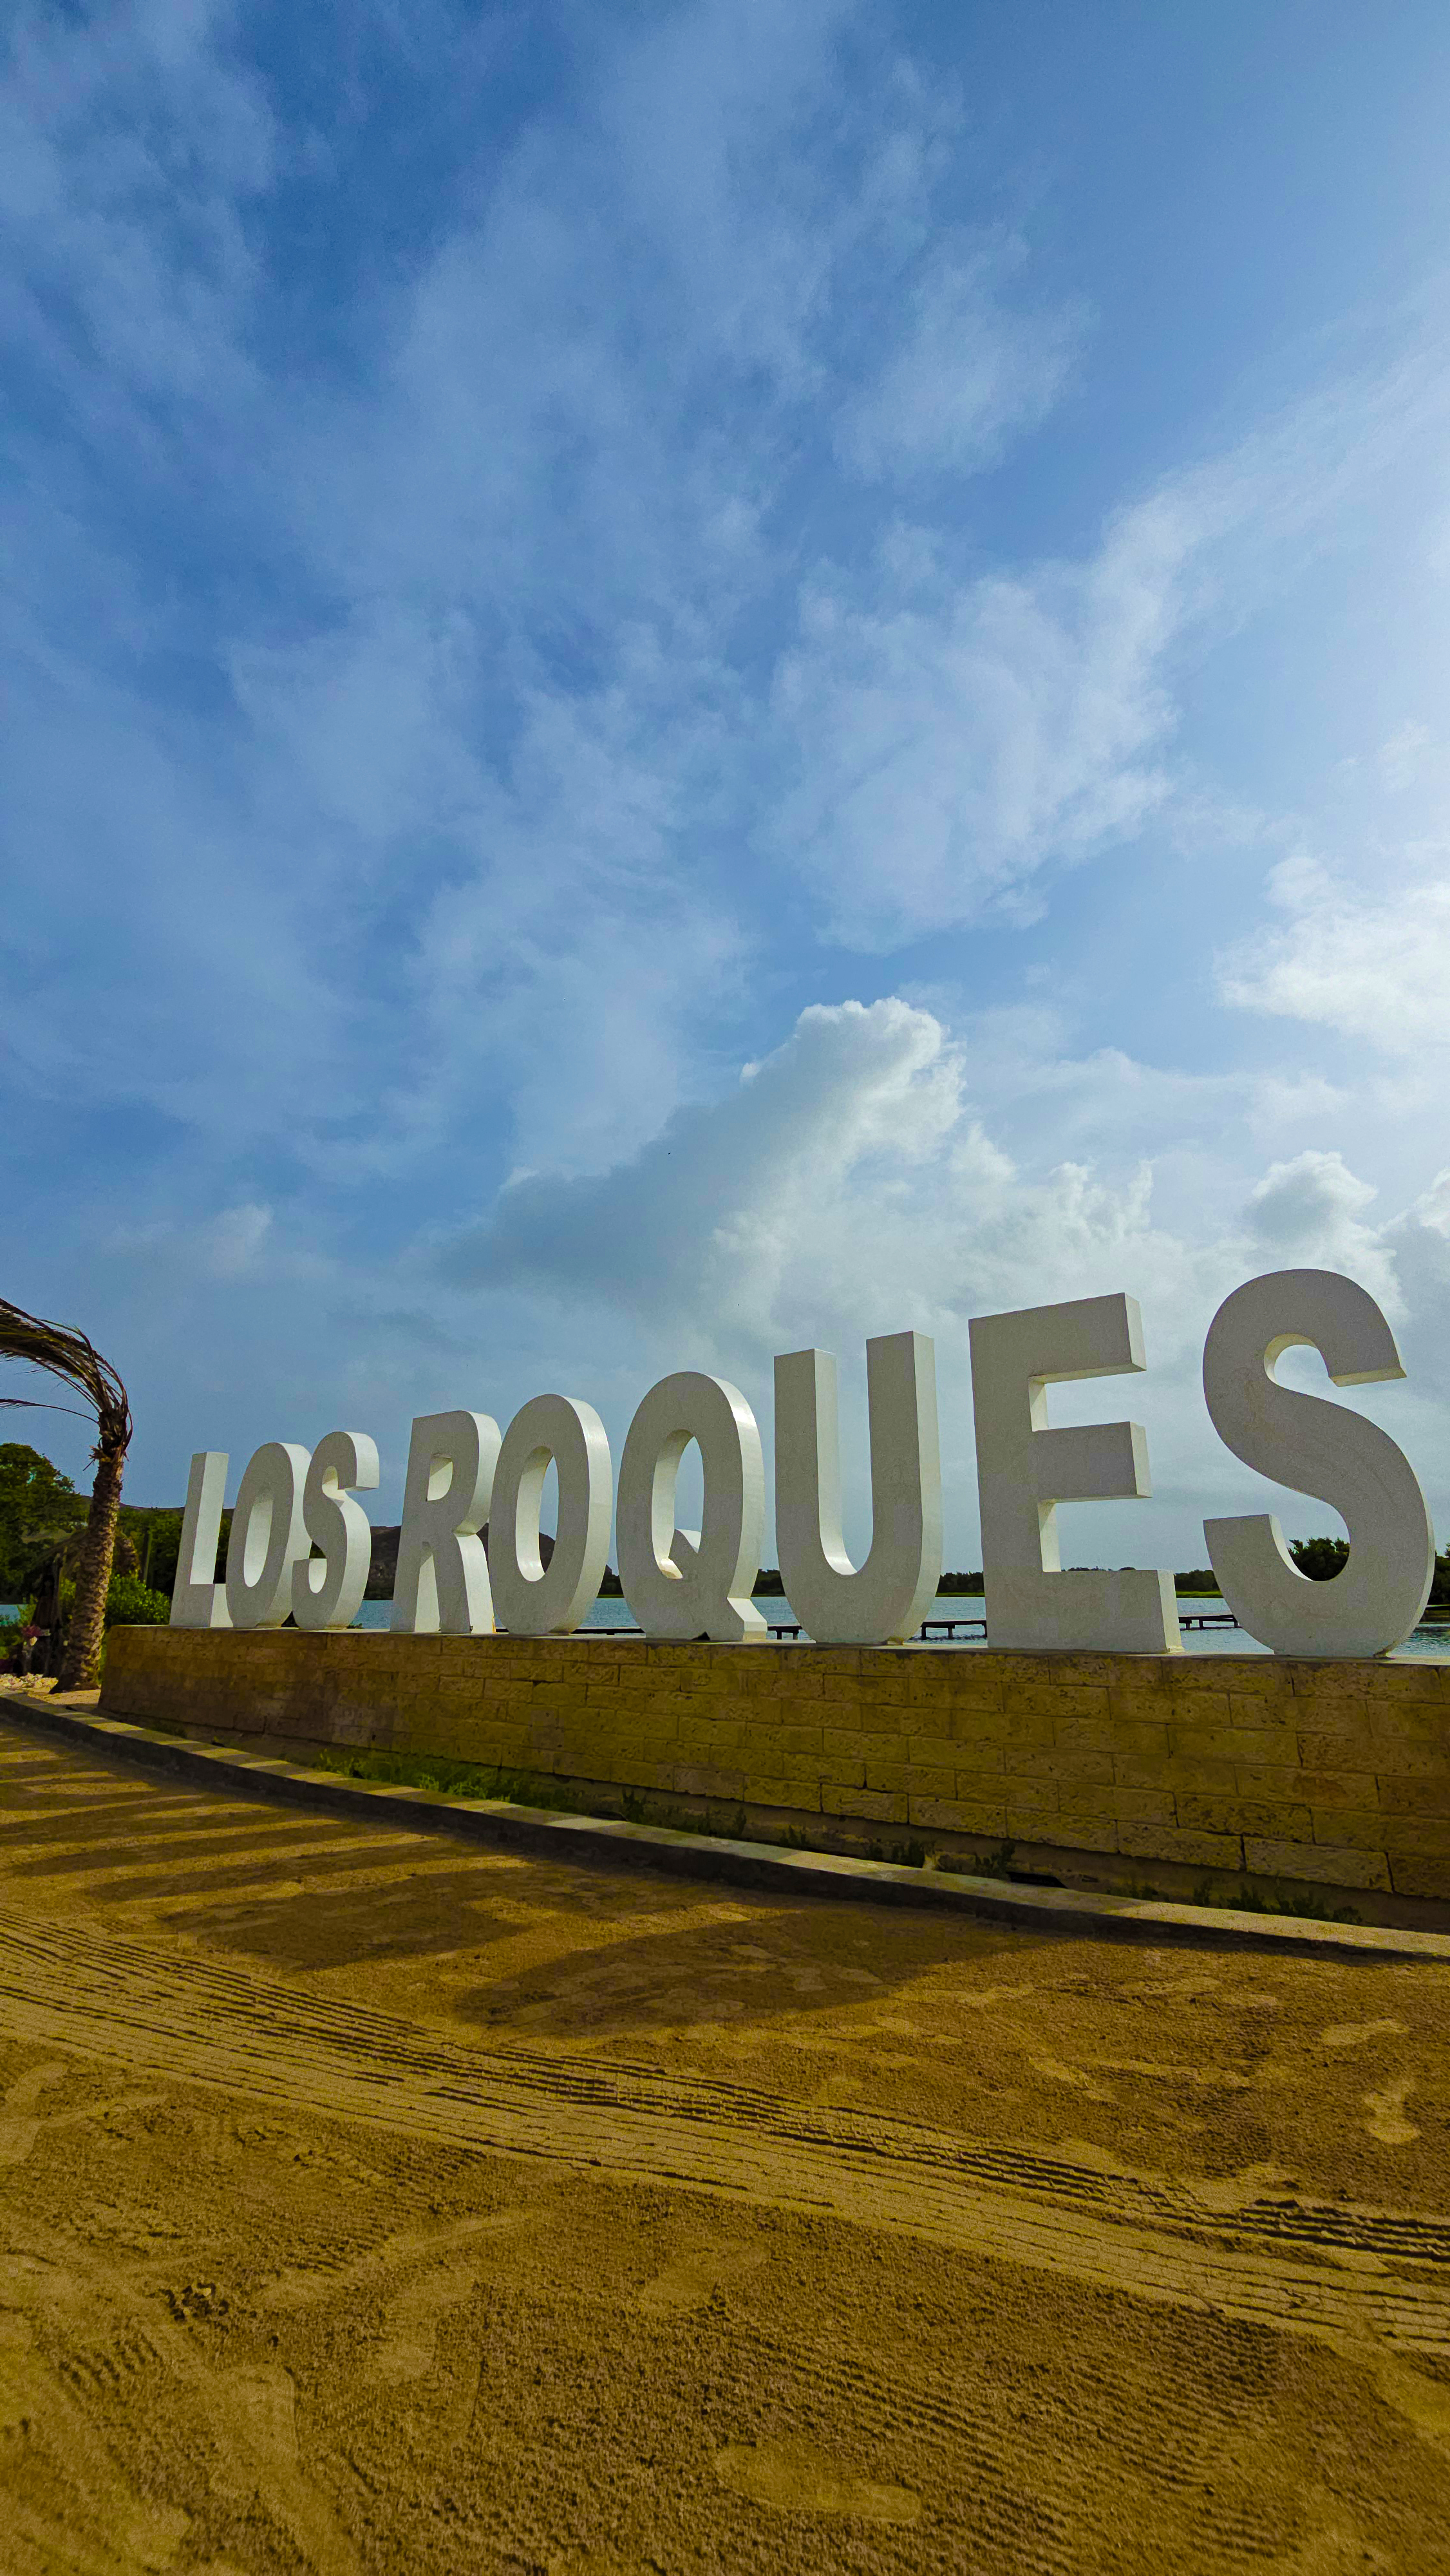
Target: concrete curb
<point>563,1837</point>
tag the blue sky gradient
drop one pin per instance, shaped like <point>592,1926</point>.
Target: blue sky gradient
<point>682,679</point>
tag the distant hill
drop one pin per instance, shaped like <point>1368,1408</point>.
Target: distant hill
<point>383,1571</point>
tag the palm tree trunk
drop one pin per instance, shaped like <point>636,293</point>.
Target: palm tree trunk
<point>80,1664</point>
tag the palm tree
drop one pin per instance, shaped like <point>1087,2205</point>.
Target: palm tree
<point>61,1351</point>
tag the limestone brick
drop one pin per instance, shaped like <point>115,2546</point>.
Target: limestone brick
<point>1058,1762</point>
<point>710,1735</point>
<point>1245,1816</point>
<point>1349,1752</point>
<point>965,1685</point>
<point>1235,1743</point>
<point>1019,1730</point>
<point>1413,1876</point>
<point>839,1684</point>
<point>1331,1712</point>
<point>876,1806</point>
<point>793,1738</point>
<point>1171,1842</point>
<point>1423,1793</point>
<point>1421,1834</point>
<point>794,1680</point>
<point>1363,1827</point>
<point>1140,1738</point>
<point>1039,1795</point>
<point>1328,1678</point>
<point>1336,1771</point>
<point>1077,1832</point>
<point>1085,1734</point>
<point>1335,1865</point>
<point>1409,1722</point>
<point>1176,1771</point>
<point>931,1748</point>
<point>958,1816</point>
<point>696,1780</point>
<point>1056,1699</point>
<point>1135,1708</point>
<point>1145,1806</point>
<point>1414,1677</point>
<point>987,1759</point>
<point>988,1726</point>
<point>1315,1788</point>
<point>1085,1798</point>
<point>918,1779</point>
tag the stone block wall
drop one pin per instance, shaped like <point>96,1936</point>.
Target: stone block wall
<point>1323,1772</point>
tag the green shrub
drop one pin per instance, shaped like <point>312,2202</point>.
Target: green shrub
<point>130,1603</point>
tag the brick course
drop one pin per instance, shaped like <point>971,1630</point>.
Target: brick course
<point>1332,1772</point>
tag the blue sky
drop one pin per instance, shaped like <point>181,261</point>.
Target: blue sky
<point>686,679</point>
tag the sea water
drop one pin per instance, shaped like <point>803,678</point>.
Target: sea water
<point>1431,1640</point>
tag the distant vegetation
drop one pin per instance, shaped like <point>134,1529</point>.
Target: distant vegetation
<point>41,1512</point>
<point>43,1520</point>
<point>73,1624</point>
<point>43,1531</point>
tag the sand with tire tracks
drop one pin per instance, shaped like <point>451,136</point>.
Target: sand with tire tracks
<point>372,2202</point>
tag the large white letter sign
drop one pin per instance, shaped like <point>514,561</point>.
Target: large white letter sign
<point>1320,1449</point>
<point>442,1578</point>
<point>197,1599</point>
<point>883,1600</point>
<point>692,1583</point>
<point>327,1591</point>
<point>267,1536</point>
<point>529,1598</point>
<point>1024,1470</point>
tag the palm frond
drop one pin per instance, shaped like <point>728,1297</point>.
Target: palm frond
<point>62,1351</point>
<point>37,1404</point>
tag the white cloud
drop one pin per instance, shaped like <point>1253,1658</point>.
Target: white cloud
<point>967,369</point>
<point>951,737</point>
<point>236,1239</point>
<point>849,1185</point>
<point>705,1229</point>
<point>1311,1212</point>
<point>950,741</point>
<point>130,146</point>
<point>439,734</point>
<point>1371,964</point>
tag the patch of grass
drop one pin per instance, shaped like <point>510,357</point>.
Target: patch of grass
<point>1253,1900</point>
<point>996,1863</point>
<point>730,1829</point>
<point>453,1779</point>
<point>449,1779</point>
<point>911,1855</point>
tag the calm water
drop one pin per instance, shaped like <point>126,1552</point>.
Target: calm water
<point>968,1605</point>
<point>1433,1640</point>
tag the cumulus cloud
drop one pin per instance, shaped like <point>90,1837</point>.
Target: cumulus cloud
<point>705,1225</point>
<point>1372,964</point>
<point>453,799</point>
<point>848,1185</point>
<point>473,635</point>
<point>1310,1213</point>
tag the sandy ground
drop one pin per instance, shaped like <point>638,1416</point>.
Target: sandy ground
<point>374,2203</point>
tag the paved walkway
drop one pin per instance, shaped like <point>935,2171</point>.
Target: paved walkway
<point>372,2203</point>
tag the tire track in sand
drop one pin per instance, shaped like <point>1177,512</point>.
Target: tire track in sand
<point>1342,2275</point>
